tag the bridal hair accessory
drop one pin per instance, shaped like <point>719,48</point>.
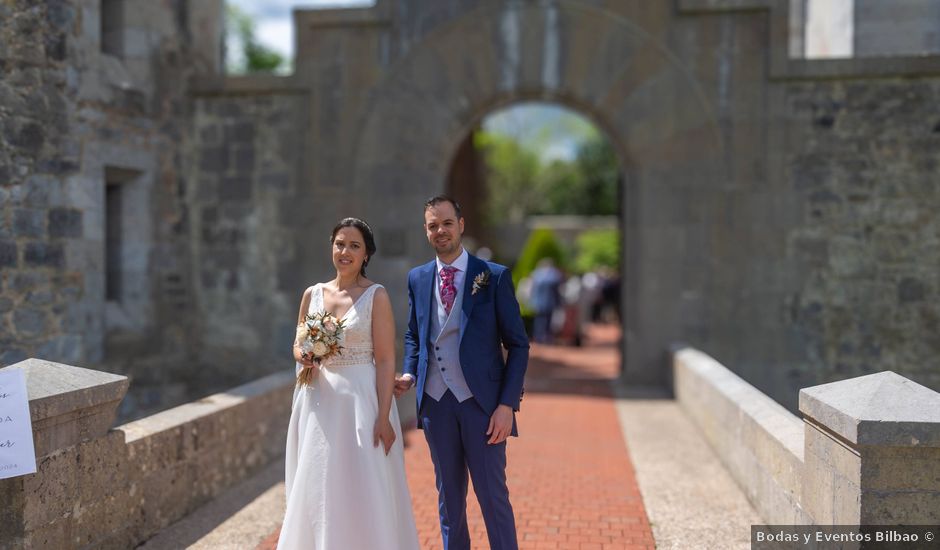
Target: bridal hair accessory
<point>319,337</point>
<point>480,281</point>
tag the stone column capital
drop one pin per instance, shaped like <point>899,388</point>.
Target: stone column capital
<point>882,409</point>
<point>69,404</point>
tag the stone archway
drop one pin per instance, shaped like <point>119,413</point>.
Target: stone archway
<point>585,58</point>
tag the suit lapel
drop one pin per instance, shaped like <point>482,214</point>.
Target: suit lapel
<point>475,266</point>
<point>427,288</point>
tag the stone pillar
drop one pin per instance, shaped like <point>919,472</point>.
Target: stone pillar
<point>467,184</point>
<point>68,406</point>
<point>206,22</point>
<point>797,27</point>
<point>872,452</point>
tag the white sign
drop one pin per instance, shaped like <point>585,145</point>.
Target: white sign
<point>17,454</point>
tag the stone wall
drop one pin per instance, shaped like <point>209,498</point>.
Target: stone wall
<point>911,27</point>
<point>83,108</point>
<point>99,488</point>
<point>813,260</point>
<point>740,211</point>
<point>864,28</point>
<point>251,225</point>
<point>862,159</point>
<point>37,227</point>
<point>775,211</point>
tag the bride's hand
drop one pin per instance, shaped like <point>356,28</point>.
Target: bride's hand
<point>303,359</point>
<point>383,432</point>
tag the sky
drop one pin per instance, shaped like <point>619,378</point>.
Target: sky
<point>274,25</point>
<point>551,129</point>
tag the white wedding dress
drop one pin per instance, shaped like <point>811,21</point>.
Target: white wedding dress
<point>343,493</point>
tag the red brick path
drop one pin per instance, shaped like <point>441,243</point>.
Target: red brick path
<point>570,479</point>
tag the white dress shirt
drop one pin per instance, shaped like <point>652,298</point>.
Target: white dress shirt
<point>460,264</point>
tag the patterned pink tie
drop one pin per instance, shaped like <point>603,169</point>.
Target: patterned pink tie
<point>448,290</point>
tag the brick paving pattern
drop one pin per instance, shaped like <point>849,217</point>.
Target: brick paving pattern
<point>571,481</point>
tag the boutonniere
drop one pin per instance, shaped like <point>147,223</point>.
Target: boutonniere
<point>480,281</point>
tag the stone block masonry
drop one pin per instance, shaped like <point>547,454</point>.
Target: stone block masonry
<point>866,453</point>
<point>80,118</point>
<point>250,221</point>
<point>34,158</point>
<point>863,160</point>
<point>873,443</point>
<point>98,487</point>
<point>786,203</point>
<point>759,442</point>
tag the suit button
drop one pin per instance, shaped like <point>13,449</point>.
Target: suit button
<point>437,348</point>
<point>439,359</point>
<point>443,369</point>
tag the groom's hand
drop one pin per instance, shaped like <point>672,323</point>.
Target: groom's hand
<point>500,424</point>
<point>403,383</point>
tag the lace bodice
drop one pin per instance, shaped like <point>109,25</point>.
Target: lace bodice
<point>357,336</point>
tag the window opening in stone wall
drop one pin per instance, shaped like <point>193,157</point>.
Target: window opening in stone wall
<point>259,36</point>
<point>833,29</point>
<point>118,194</point>
<point>113,245</point>
<point>112,27</point>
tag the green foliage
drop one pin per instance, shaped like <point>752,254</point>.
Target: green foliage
<point>258,58</point>
<point>513,175</point>
<point>541,244</point>
<point>597,162</point>
<point>598,248</point>
<point>587,186</point>
<point>261,59</point>
<point>520,184</point>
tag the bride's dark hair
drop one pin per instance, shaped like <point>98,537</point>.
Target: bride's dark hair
<point>367,236</point>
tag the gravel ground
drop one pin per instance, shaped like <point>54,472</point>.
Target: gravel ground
<point>691,500</point>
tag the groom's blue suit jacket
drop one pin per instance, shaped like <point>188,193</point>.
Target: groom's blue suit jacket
<point>490,320</point>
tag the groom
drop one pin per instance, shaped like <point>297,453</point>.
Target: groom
<point>461,309</point>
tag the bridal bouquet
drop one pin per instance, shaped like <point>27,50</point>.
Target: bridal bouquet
<point>319,338</point>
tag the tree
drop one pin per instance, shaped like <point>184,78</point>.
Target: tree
<point>597,162</point>
<point>257,58</point>
<point>513,177</point>
<point>564,189</point>
<point>521,184</point>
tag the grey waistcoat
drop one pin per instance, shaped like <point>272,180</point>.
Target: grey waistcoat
<point>444,370</point>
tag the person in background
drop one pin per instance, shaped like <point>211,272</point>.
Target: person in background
<point>544,298</point>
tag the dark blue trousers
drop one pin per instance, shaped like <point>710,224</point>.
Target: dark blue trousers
<point>456,434</point>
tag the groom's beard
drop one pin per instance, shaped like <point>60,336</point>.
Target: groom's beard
<point>449,248</point>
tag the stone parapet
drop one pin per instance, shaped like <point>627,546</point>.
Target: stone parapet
<point>97,487</point>
<point>866,453</point>
<point>759,441</point>
<point>872,451</point>
<point>68,405</point>
<point>883,409</point>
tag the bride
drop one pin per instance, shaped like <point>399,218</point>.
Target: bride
<point>345,474</point>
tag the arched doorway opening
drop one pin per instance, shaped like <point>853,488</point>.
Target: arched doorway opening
<point>540,187</point>
<point>667,135</point>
